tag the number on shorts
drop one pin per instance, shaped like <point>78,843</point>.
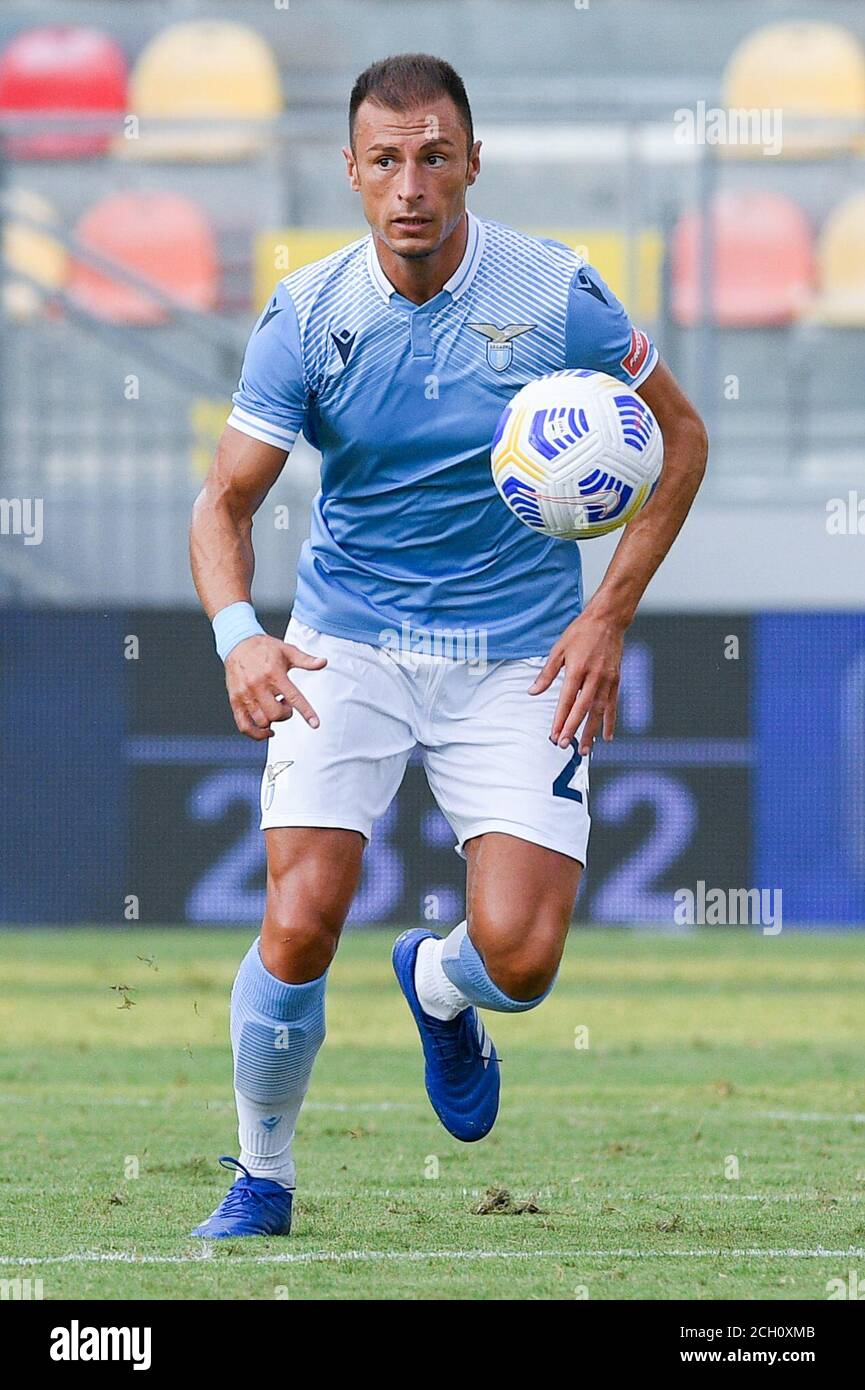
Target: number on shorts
<point>561,786</point>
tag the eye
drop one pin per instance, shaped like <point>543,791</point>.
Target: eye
<point>384,161</point>
<point>439,157</point>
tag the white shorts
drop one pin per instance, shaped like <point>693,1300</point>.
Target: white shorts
<point>484,741</point>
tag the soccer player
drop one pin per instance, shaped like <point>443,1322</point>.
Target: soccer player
<point>396,356</point>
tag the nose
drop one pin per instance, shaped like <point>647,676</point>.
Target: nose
<point>410,190</point>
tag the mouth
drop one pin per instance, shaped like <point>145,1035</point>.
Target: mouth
<point>411,223</point>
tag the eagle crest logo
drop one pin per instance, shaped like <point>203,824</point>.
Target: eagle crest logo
<point>272,771</point>
<point>500,348</point>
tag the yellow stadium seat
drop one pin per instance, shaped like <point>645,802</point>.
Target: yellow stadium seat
<point>814,73</point>
<point>279,252</point>
<point>840,300</point>
<point>32,252</point>
<point>609,251</point>
<point>202,90</point>
<point>207,417</point>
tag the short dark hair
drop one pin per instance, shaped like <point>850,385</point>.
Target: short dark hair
<point>408,80</point>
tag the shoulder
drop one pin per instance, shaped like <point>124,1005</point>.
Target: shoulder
<point>541,255</point>
<point>599,333</point>
<point>324,279</point>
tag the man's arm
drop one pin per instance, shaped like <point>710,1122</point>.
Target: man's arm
<point>590,648</point>
<point>222,560</point>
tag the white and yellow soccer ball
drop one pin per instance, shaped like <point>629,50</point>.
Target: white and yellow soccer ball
<point>576,454</point>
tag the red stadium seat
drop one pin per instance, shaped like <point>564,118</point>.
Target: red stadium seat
<point>163,237</point>
<point>61,69</point>
<point>763,270</point>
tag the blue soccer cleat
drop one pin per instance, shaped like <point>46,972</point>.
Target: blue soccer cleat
<point>250,1207</point>
<point>461,1066</point>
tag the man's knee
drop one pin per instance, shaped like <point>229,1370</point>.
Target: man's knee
<point>309,891</point>
<point>301,927</point>
<point>292,931</point>
<point>520,958</point>
<point>521,975</point>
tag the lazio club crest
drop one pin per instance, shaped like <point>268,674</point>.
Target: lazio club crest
<point>271,773</point>
<point>500,350</point>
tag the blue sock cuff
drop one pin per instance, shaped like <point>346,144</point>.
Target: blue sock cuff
<point>257,989</point>
<point>464,968</point>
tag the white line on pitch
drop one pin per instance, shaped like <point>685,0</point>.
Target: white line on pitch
<point>809,1116</point>
<point>418,1256</point>
<point>144,1102</point>
<point>447,1191</point>
<point>550,1193</point>
<point>743,1114</point>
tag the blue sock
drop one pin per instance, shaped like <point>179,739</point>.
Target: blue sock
<point>465,969</point>
<point>276,1031</point>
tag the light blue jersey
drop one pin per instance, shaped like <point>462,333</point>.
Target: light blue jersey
<point>408,532</point>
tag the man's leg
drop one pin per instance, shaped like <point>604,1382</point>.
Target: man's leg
<point>520,897</point>
<point>277,1019</point>
<point>321,793</point>
<point>277,1004</point>
<point>518,805</point>
<point>504,957</point>
<point>520,808</point>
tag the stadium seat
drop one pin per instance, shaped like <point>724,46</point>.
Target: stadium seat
<point>202,90</point>
<point>763,261</point>
<point>840,300</point>
<point>608,250</point>
<point>162,237</point>
<point>280,251</point>
<point>34,253</point>
<point>61,69</point>
<point>814,72</point>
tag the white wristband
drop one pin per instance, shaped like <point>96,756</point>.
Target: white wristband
<point>234,624</point>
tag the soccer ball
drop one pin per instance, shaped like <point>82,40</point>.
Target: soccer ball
<point>576,454</point>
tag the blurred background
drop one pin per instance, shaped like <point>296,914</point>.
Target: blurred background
<point>164,164</point>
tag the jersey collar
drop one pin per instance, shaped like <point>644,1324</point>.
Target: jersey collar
<point>462,276</point>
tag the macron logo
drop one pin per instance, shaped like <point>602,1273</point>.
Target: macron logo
<point>344,342</point>
<point>271,314</point>
<point>77,1343</point>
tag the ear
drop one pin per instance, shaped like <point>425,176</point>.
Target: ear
<point>474,163</point>
<point>351,168</point>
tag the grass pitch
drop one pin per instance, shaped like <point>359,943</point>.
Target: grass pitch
<point>706,1143</point>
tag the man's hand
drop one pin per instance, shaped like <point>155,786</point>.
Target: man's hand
<point>260,693</point>
<point>590,650</point>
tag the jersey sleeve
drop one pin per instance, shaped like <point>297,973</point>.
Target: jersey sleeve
<point>600,337</point>
<point>270,400</point>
